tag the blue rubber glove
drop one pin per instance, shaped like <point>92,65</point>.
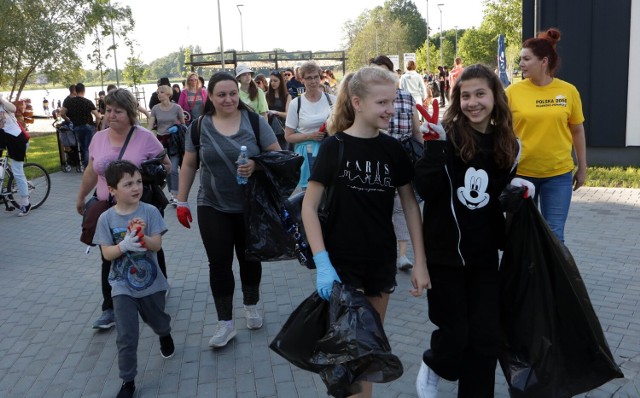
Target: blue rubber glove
<point>172,129</point>
<point>325,275</point>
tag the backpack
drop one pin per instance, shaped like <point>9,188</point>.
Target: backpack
<point>254,118</point>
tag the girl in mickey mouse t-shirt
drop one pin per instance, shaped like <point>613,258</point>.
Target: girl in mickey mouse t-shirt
<point>465,167</point>
<point>358,246</point>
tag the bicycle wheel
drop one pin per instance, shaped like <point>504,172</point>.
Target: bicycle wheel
<point>38,183</point>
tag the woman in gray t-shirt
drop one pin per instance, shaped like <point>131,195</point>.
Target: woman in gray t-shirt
<point>221,200</point>
<point>165,115</point>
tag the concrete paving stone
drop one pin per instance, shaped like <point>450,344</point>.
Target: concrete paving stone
<point>46,317</point>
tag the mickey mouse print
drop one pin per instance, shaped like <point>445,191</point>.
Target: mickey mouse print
<point>474,194</point>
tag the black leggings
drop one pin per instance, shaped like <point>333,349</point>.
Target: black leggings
<point>221,233</point>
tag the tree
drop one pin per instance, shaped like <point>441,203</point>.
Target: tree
<point>406,12</point>
<point>43,35</point>
<point>478,46</point>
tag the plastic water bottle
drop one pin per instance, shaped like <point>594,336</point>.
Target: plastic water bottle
<point>242,159</point>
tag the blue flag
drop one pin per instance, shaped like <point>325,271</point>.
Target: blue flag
<point>502,62</point>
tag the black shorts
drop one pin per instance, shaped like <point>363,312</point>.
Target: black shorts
<point>371,278</point>
<point>16,146</point>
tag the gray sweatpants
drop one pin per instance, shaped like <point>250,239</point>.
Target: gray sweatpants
<point>126,310</point>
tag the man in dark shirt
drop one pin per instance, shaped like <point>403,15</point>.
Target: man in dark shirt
<point>293,85</point>
<point>81,112</point>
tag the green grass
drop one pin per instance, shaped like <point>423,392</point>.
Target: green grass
<point>44,151</point>
<point>613,177</point>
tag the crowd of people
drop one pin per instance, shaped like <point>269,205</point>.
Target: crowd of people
<point>350,135</point>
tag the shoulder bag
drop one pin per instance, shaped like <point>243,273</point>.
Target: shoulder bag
<point>94,207</point>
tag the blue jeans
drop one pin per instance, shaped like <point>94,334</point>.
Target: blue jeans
<point>553,197</point>
<point>172,177</point>
<point>84,133</point>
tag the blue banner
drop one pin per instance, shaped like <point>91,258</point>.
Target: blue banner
<point>502,62</point>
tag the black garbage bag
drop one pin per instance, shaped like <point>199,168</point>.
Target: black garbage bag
<point>307,324</point>
<point>553,342</point>
<point>355,347</point>
<point>266,237</point>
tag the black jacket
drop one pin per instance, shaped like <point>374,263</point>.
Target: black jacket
<point>463,222</point>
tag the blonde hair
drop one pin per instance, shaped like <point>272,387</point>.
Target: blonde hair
<point>196,76</point>
<point>165,89</point>
<point>356,85</point>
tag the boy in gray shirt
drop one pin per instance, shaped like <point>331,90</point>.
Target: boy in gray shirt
<point>129,235</point>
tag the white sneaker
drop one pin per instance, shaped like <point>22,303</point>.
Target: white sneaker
<point>427,382</point>
<point>254,320</point>
<point>224,332</point>
<point>404,264</point>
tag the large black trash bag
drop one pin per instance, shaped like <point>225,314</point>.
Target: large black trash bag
<point>553,346</point>
<point>308,323</point>
<point>266,191</point>
<point>355,347</point>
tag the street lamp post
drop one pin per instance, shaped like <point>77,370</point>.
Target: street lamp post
<point>456,27</point>
<point>241,30</point>
<point>221,45</point>
<point>428,60</point>
<point>440,8</point>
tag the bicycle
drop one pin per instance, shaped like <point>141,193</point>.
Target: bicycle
<point>38,183</point>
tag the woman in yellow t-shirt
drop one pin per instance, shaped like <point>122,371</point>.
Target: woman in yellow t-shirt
<point>548,119</point>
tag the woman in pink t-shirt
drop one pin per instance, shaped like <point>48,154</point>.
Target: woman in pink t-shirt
<point>105,147</point>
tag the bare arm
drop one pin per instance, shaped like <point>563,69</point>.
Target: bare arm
<point>415,127</point>
<point>187,175</point>
<point>89,181</point>
<point>420,274</point>
<point>580,146</point>
<point>8,106</point>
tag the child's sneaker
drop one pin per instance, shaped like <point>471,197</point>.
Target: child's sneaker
<point>427,382</point>
<point>167,349</point>
<point>106,321</point>
<point>24,210</point>
<point>224,332</point>
<point>127,389</point>
<point>254,320</point>
<point>404,264</point>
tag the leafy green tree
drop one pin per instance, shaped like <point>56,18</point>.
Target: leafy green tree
<point>478,46</point>
<point>42,35</point>
<point>407,13</point>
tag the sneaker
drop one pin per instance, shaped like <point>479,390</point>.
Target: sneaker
<point>404,264</point>
<point>167,349</point>
<point>254,320</point>
<point>106,320</point>
<point>24,210</point>
<point>224,332</point>
<point>127,389</point>
<point>427,382</point>
<point>173,201</point>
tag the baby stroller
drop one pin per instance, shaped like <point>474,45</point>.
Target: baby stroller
<point>68,148</point>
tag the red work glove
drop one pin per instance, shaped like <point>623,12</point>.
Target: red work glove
<point>184,214</point>
<point>429,130</point>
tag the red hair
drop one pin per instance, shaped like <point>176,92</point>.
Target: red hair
<point>544,45</point>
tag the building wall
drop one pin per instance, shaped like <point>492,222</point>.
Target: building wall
<point>599,45</point>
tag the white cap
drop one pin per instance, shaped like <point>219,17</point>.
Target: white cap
<point>243,69</point>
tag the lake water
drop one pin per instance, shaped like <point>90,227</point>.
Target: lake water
<point>59,94</point>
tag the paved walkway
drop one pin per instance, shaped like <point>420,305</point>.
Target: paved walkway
<point>50,296</point>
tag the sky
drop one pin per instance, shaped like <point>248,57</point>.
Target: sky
<point>162,27</point>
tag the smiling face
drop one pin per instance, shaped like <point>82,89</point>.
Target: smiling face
<point>476,102</point>
<point>376,107</point>
<point>129,189</point>
<point>225,96</point>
